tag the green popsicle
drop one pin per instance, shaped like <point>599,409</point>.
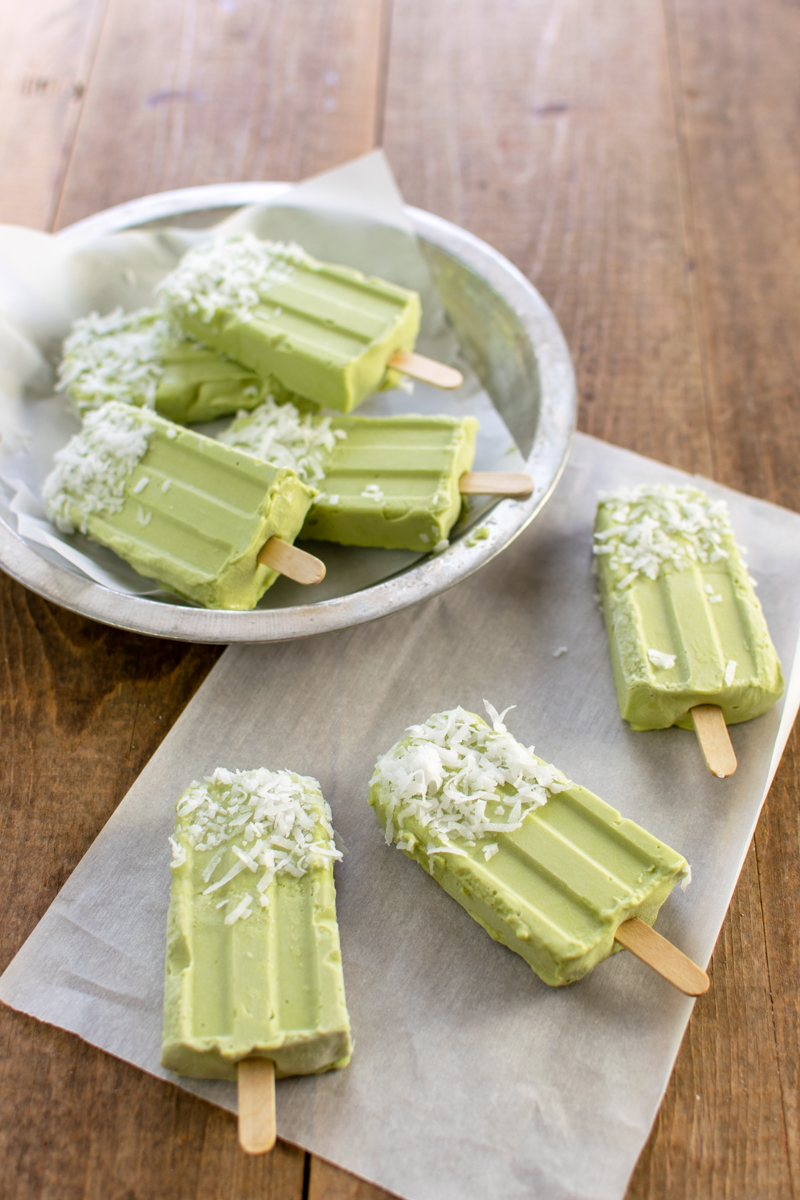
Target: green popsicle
<point>139,358</point>
<point>181,508</point>
<point>546,867</point>
<point>685,627</point>
<point>391,482</point>
<point>325,332</point>
<point>253,966</point>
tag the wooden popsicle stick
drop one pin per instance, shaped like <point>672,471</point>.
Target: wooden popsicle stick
<point>291,561</point>
<point>494,483</point>
<point>256,1089</point>
<point>662,957</point>
<point>426,370</point>
<point>715,741</point>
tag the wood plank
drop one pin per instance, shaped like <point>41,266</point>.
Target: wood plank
<point>327,1182</point>
<point>547,129</point>
<point>46,52</point>
<point>718,1133</point>
<point>738,124</point>
<point>256,89</point>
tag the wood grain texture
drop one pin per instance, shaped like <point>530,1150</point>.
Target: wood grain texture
<point>46,51</point>
<point>79,1125</point>
<point>547,128</point>
<point>327,1182</point>
<point>639,161</point>
<point>737,96</point>
<point>227,90</point>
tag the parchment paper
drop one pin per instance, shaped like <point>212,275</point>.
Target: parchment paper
<point>471,1079</point>
<point>352,215</point>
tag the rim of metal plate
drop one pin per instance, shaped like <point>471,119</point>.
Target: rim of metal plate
<point>429,577</point>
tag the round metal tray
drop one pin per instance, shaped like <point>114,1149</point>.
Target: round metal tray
<point>507,333</point>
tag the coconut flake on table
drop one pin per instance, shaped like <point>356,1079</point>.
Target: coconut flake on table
<point>231,275</point>
<point>461,782</point>
<point>268,820</point>
<point>90,472</point>
<point>118,356</point>
<point>653,525</point>
<point>281,435</point>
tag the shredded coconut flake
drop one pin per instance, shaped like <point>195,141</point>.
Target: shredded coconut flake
<point>115,357</point>
<point>460,782</point>
<point>231,276</point>
<point>261,823</point>
<point>91,470</point>
<point>651,525</point>
<point>284,437</point>
<point>659,659</point>
<point>730,671</point>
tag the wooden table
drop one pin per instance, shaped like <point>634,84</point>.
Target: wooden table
<point>639,162</point>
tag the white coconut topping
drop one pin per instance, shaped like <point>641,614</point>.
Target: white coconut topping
<point>373,491</point>
<point>651,525</point>
<point>284,437</point>
<point>730,671</point>
<point>460,782</point>
<point>230,275</point>
<point>91,470</point>
<point>264,822</point>
<point>659,659</point>
<point>115,357</point>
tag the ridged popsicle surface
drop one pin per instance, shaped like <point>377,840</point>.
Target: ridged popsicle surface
<point>684,624</point>
<point>325,332</point>
<point>551,876</point>
<point>181,508</point>
<point>390,482</point>
<point>253,963</point>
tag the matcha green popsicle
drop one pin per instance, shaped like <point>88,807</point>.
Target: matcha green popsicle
<point>141,359</point>
<point>254,966</point>
<point>685,627</point>
<point>325,332</point>
<point>391,482</point>
<point>546,867</point>
<point>181,508</point>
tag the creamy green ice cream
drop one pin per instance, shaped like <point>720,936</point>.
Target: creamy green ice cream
<point>684,624</point>
<point>390,482</point>
<point>325,332</point>
<point>139,358</point>
<point>545,866</point>
<point>254,966</point>
<point>181,508</point>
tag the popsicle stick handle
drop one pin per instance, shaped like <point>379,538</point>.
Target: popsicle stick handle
<point>426,370</point>
<point>715,741</point>
<point>494,483</point>
<point>662,957</point>
<point>256,1088</point>
<point>291,561</point>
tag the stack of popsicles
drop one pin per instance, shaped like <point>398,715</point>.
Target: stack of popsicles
<point>251,325</point>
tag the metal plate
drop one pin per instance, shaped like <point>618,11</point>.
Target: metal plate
<point>508,334</point>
